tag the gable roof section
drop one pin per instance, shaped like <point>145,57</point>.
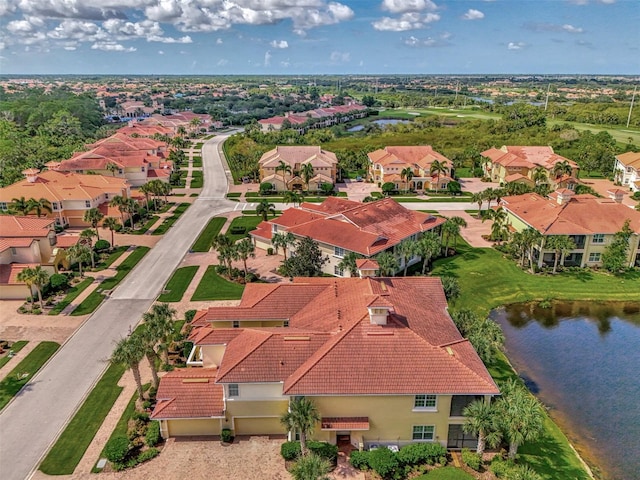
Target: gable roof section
<point>418,155</point>
<point>9,273</point>
<point>526,156</point>
<point>630,159</point>
<point>189,393</point>
<point>24,227</point>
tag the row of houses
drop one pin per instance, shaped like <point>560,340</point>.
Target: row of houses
<point>322,117</point>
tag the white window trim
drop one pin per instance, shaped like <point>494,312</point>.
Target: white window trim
<point>336,252</point>
<point>601,238</point>
<point>433,434</point>
<point>595,259</point>
<point>425,409</point>
<point>237,389</point>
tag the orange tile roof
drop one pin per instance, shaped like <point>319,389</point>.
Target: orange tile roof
<point>30,227</point>
<point>189,393</point>
<point>580,215</point>
<point>9,272</point>
<point>526,156</point>
<point>414,156</point>
<point>367,264</point>
<point>17,242</point>
<point>292,155</point>
<point>66,241</point>
<point>630,159</point>
<point>344,423</point>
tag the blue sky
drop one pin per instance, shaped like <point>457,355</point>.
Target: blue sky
<point>319,36</point>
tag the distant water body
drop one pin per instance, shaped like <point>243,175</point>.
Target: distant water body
<point>582,359</point>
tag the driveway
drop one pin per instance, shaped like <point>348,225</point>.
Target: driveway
<point>31,423</point>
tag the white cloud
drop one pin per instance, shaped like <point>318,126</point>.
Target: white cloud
<point>219,41</point>
<point>403,6</point>
<point>185,39</point>
<point>473,14</point>
<point>279,44</point>
<point>406,21</point>
<point>70,48</point>
<point>339,57</point>
<point>572,29</point>
<point>516,45</point>
<point>553,27</point>
<point>267,58</point>
<point>160,52</point>
<point>111,47</point>
<point>441,40</point>
<point>285,63</point>
<point>222,62</point>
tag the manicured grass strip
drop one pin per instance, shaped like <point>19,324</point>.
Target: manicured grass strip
<point>164,226</point>
<point>94,299</point>
<point>26,369</point>
<point>247,222</point>
<point>234,195</point>
<point>67,452</point>
<point>199,146</point>
<point>214,287</point>
<point>148,224</point>
<point>197,162</point>
<point>72,294</point>
<point>15,348</point>
<point>113,256</point>
<point>178,284</point>
<point>196,179</point>
<point>203,243</point>
<point>488,280</point>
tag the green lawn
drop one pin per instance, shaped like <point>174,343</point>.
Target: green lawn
<point>487,280</point>
<point>25,370</point>
<point>464,172</point>
<point>72,294</point>
<point>247,222</point>
<point>197,161</point>
<point>196,179</point>
<point>147,225</point>
<point>178,283</point>
<point>214,287</point>
<point>94,299</point>
<point>203,243</point>
<point>15,348</point>
<point>122,426</point>
<point>446,473</point>
<point>67,452</point>
<point>166,224</point>
<point>113,256</point>
<point>234,195</point>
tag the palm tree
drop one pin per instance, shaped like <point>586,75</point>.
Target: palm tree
<point>406,249</point>
<point>283,239</point>
<point>427,247</point>
<point>292,197</point>
<point>195,123</point>
<point>500,226</point>
<point>40,279</point>
<point>531,238</point>
<point>539,175</point>
<point>562,168</point>
<point>301,418</point>
<point>451,229</point>
<point>93,216</point>
<point>245,249</point>
<point>561,245</point>
<point>225,248</point>
<point>348,262</point>
<point>147,189</point>
<point>306,170</point>
<point>79,253</point>
<point>111,223</point>
<point>149,340</point>
<point>128,352</point>
<point>479,199</point>
<point>438,168</point>
<point>86,238</point>
<point>311,467</point>
<point>181,131</point>
<point>406,174</point>
<point>265,208</point>
<point>113,168</point>
<point>388,264</point>
<point>488,195</point>
<point>160,321</point>
<point>119,202</point>
<point>520,415</point>
<point>285,168</point>
<point>27,276</point>
<point>20,205</point>
<point>39,206</point>
<point>480,419</point>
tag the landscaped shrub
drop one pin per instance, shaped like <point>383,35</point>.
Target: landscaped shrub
<point>384,462</point>
<point>147,455</point>
<point>186,349</point>
<point>102,245</point>
<point>152,437</point>
<point>324,450</point>
<point>472,459</point>
<point>265,188</point>
<point>58,282</point>
<point>116,449</point>
<point>290,450</point>
<point>501,467</point>
<point>420,453</point>
<point>226,435</point>
<point>359,460</point>
<point>189,314</point>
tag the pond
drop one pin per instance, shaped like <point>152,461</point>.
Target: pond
<point>582,359</point>
<point>381,121</point>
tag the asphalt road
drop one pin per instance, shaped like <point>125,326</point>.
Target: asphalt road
<point>33,420</point>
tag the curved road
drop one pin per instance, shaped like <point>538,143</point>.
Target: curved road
<point>33,421</point>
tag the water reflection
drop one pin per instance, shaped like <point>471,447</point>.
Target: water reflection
<point>582,360</point>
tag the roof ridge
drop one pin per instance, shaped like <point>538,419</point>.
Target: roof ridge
<point>465,366</point>
<point>266,335</point>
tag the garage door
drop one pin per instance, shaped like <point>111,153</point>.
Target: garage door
<point>206,426</point>
<point>258,426</point>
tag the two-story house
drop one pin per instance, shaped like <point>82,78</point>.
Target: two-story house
<point>388,165</point>
<point>627,170</point>
<point>589,221</point>
<point>341,226</point>
<point>381,367</point>
<point>323,167</point>
<point>69,194</point>
<point>526,164</point>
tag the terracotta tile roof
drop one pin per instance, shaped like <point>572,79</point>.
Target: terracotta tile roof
<point>414,156</point>
<point>66,241</point>
<point>630,159</point>
<point>189,393</point>
<point>344,423</point>
<point>205,335</point>
<point>514,177</point>
<point>9,272</point>
<point>580,215</point>
<point>367,264</point>
<point>30,227</point>
<point>526,156</point>
<point>293,155</point>
<point>15,242</point>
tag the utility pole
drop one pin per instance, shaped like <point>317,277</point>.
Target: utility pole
<point>546,101</point>
<point>631,106</point>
